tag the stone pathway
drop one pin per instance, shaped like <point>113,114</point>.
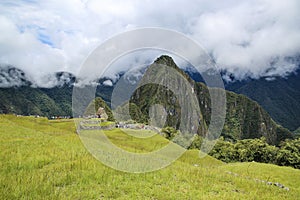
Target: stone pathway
<point>261,181</point>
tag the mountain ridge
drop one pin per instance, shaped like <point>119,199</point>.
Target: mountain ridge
<point>58,100</point>
<point>280,97</point>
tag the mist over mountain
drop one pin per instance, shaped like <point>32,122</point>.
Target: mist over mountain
<point>12,77</point>
<point>279,96</point>
<point>246,38</point>
<point>244,119</point>
<point>21,96</point>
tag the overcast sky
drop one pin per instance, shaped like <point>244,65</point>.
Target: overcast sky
<point>247,38</point>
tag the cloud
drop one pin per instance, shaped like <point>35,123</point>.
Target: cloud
<point>11,77</point>
<point>252,38</point>
<point>107,83</point>
<point>25,51</point>
<point>246,38</point>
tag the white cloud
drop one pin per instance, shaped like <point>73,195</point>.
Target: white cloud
<point>245,37</point>
<point>25,51</point>
<point>107,83</point>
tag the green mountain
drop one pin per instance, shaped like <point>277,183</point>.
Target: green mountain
<point>244,119</point>
<point>26,100</point>
<point>20,96</point>
<point>279,96</point>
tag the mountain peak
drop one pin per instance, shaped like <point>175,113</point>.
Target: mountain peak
<point>166,60</point>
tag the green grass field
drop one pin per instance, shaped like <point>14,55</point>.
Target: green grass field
<point>43,159</point>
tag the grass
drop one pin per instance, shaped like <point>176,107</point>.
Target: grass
<point>128,142</point>
<point>107,123</point>
<point>41,159</point>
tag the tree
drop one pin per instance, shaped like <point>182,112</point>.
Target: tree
<point>169,132</point>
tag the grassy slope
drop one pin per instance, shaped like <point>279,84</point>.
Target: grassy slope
<point>46,160</point>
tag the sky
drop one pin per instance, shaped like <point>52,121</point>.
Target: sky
<point>250,38</point>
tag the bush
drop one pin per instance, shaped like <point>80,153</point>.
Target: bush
<point>258,150</point>
<point>169,132</point>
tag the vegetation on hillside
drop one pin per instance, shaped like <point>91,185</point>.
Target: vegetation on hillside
<point>279,96</point>
<point>287,153</point>
<point>258,150</point>
<point>30,101</point>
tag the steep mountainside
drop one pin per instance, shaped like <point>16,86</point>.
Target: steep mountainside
<point>19,96</point>
<point>244,119</point>
<point>280,97</point>
<point>28,101</point>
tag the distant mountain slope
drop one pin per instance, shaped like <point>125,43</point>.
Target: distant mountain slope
<point>18,94</point>
<point>280,97</point>
<point>27,101</point>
